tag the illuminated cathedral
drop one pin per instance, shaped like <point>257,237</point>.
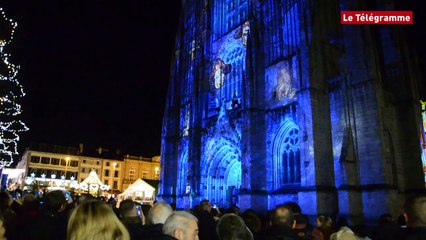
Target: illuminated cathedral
<point>274,101</point>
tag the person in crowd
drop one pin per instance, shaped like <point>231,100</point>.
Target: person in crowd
<point>206,221</point>
<point>54,215</point>
<point>232,227</point>
<point>145,210</point>
<point>50,223</point>
<point>23,226</point>
<point>159,213</point>
<point>95,220</point>
<point>253,222</point>
<point>6,211</point>
<point>85,197</point>
<point>282,224</point>
<point>130,212</point>
<point>7,215</point>
<point>133,218</point>
<point>344,232</point>
<point>302,228</point>
<point>181,225</point>
<point>233,209</point>
<point>16,203</point>
<point>362,231</point>
<point>324,228</point>
<point>215,212</point>
<point>157,216</point>
<point>386,229</point>
<point>401,221</point>
<point>112,201</point>
<point>194,210</point>
<point>415,216</point>
<point>30,205</point>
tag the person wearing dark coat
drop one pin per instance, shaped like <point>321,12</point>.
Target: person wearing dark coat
<point>132,218</point>
<point>415,215</point>
<point>53,220</point>
<point>206,222</point>
<point>157,216</point>
<point>386,229</point>
<point>282,225</point>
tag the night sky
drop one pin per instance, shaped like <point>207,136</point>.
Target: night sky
<point>95,72</point>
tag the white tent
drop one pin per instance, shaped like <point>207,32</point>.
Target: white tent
<point>140,190</point>
<point>93,184</point>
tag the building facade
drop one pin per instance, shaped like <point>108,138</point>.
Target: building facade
<point>136,167</point>
<point>60,165</point>
<point>88,164</point>
<point>274,101</point>
<point>70,164</point>
<point>50,168</point>
<point>112,174</point>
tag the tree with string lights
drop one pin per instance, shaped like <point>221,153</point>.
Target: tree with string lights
<point>11,92</point>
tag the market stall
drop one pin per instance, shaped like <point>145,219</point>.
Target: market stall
<point>139,191</point>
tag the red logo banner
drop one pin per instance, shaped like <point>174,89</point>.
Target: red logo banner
<point>376,17</point>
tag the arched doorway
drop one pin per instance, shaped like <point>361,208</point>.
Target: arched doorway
<point>223,174</point>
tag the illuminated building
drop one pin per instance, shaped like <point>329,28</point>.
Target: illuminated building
<point>112,174</point>
<point>70,164</point>
<point>88,164</point>
<point>50,166</point>
<point>136,167</point>
<point>275,101</point>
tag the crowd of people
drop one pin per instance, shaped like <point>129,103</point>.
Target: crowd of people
<point>53,216</point>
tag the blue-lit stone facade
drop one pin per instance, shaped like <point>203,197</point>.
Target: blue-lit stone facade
<point>273,101</point>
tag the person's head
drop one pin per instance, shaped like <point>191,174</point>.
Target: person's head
<point>159,213</point>
<point>232,227</point>
<point>233,209</point>
<point>95,220</point>
<point>128,209</point>
<point>129,212</point>
<point>182,226</point>
<point>283,216</point>
<point>295,208</point>
<point>206,205</point>
<point>252,221</point>
<point>415,211</point>
<point>324,222</point>
<point>30,202</point>
<point>85,197</point>
<point>55,201</point>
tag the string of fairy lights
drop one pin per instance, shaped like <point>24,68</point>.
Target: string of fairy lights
<point>10,93</point>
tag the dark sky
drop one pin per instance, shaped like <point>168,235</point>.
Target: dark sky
<point>95,72</point>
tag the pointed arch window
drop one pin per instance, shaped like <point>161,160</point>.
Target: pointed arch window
<point>286,158</point>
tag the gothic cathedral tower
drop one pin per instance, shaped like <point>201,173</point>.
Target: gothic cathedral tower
<point>272,101</point>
